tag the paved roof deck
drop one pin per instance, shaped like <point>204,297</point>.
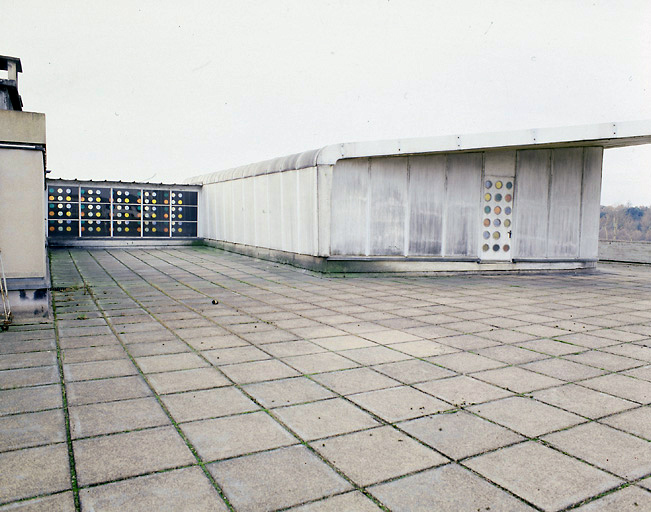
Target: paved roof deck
<point>301,392</point>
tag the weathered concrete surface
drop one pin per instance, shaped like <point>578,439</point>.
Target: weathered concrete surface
<point>204,380</point>
<point>617,250</point>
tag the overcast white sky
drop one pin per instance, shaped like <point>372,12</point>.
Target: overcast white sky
<point>163,90</point>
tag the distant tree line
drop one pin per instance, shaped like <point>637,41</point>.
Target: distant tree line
<point>625,222</point>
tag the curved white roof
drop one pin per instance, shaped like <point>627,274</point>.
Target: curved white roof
<point>608,135</point>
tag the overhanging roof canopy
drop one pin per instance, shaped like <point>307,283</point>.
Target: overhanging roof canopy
<point>607,135</point>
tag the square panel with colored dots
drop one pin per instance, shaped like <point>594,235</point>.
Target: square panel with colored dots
<point>126,212</point>
<point>63,194</point>
<point>497,218</point>
<point>68,211</point>
<point>155,229</point>
<point>126,228</point>
<point>94,195</point>
<point>95,211</point>
<point>158,197</point>
<point>156,213</point>
<point>95,228</point>
<point>184,198</point>
<point>63,228</point>
<point>184,229</point>
<point>126,196</point>
<point>184,213</point>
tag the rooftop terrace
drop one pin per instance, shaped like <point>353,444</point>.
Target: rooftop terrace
<point>195,379</point>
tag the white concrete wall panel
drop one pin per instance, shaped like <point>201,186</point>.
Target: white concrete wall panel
<point>531,200</point>
<point>261,220</point>
<point>565,203</point>
<point>289,185</point>
<point>307,214</point>
<point>462,204</point>
<point>350,188</point>
<point>590,201</point>
<point>227,212</point>
<point>388,205</point>
<point>239,213</point>
<point>426,201</point>
<point>207,211</point>
<point>324,217</point>
<point>499,163</point>
<point>274,193</point>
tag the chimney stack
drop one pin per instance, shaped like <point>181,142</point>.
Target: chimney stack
<point>9,97</point>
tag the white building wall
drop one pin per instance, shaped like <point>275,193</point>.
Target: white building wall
<point>426,204</point>
<point>565,203</point>
<point>423,205</point>
<point>277,211</point>
<point>590,200</point>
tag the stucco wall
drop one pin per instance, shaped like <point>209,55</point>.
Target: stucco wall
<point>22,231</point>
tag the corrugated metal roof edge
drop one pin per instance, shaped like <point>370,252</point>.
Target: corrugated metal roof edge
<point>119,182</point>
<point>619,134</point>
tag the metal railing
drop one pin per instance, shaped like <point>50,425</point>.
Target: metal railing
<point>7,317</point>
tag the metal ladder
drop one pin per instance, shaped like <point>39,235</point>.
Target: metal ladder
<point>6,317</point>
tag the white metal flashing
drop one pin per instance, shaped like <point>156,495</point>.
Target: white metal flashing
<point>607,135</point>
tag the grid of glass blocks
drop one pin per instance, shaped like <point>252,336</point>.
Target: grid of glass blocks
<point>90,211</point>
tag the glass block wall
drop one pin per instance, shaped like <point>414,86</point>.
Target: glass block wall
<point>120,211</point>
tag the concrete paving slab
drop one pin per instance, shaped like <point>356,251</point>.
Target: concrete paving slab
<point>465,362</point>
<point>401,403</point>
<point>181,489</point>
<point>563,369</point>
<point>413,371</point>
<point>187,380</point>
<point>636,421</point>
<point>357,380</point>
<point>374,355</point>
<point>463,390</point>
<point>222,438</point>
<point>526,416</point>
<point>284,392</point>
<point>460,434</point>
<point>235,355</point>
<point>629,498</point>
<point>32,359</point>
<point>34,471</point>
<point>258,371</point>
<point>207,403</point>
<point>111,417</point>
<point>583,401</point>
<point>325,418</point>
<point>376,455</point>
<point>517,379</point>
<point>542,476</point>
<point>62,502</point>
<point>107,458</point>
<point>251,490</point>
<point>99,370</point>
<point>352,501</point>
<point>622,386</point>
<point>32,429</point>
<point>29,377</point>
<point>170,362</point>
<point>448,488</point>
<point>19,400</point>
<point>606,448</point>
<point>106,390</point>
